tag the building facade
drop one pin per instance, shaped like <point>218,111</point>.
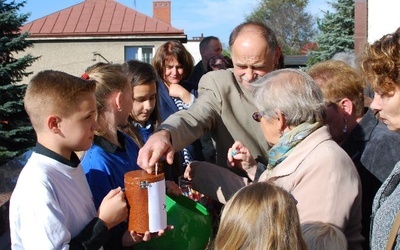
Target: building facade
<point>74,38</point>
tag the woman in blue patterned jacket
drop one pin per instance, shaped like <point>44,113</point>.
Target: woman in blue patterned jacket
<point>174,65</point>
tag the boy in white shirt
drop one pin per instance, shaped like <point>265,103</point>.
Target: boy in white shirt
<point>52,206</point>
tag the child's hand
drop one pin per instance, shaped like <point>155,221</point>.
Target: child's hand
<point>172,188</point>
<point>239,156</point>
<point>131,238</point>
<point>176,90</point>
<point>113,209</point>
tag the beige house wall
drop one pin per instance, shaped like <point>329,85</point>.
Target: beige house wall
<point>74,57</point>
<point>193,48</point>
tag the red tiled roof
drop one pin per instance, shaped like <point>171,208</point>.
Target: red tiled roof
<point>98,18</point>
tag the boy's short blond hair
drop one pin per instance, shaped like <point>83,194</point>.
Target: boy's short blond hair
<point>54,92</point>
<point>323,236</point>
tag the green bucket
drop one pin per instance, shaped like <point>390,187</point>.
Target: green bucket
<point>192,226</point>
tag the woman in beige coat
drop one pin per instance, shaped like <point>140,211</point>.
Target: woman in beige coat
<point>304,160</point>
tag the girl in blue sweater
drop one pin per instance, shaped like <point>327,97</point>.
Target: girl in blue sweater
<point>144,117</point>
<point>113,153</point>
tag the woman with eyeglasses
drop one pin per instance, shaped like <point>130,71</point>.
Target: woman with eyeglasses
<point>303,159</point>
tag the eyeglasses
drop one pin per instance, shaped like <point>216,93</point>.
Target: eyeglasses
<point>258,115</point>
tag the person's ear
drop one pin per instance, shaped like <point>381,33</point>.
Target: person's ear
<point>119,100</point>
<point>281,120</point>
<point>203,51</point>
<point>53,123</point>
<point>346,106</point>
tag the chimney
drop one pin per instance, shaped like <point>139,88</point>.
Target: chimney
<point>162,11</point>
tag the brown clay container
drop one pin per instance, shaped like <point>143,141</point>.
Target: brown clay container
<point>137,187</point>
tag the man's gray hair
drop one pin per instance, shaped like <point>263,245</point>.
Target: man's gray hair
<point>293,93</point>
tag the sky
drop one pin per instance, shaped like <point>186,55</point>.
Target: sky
<point>195,17</point>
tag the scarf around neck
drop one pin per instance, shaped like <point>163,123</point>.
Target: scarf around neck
<point>280,151</point>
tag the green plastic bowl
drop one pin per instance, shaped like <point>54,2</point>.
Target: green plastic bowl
<point>192,226</point>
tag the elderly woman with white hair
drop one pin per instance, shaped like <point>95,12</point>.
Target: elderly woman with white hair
<point>304,160</point>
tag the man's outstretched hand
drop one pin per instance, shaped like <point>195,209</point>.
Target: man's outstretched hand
<point>157,146</point>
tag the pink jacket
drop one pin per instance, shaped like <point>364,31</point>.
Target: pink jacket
<point>324,181</point>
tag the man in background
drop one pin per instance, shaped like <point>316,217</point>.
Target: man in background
<point>210,46</point>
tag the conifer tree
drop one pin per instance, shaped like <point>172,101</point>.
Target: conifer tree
<point>336,31</point>
<point>16,133</point>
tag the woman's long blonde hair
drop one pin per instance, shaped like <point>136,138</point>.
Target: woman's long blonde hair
<point>260,216</point>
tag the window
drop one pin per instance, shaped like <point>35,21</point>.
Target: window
<point>144,54</point>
